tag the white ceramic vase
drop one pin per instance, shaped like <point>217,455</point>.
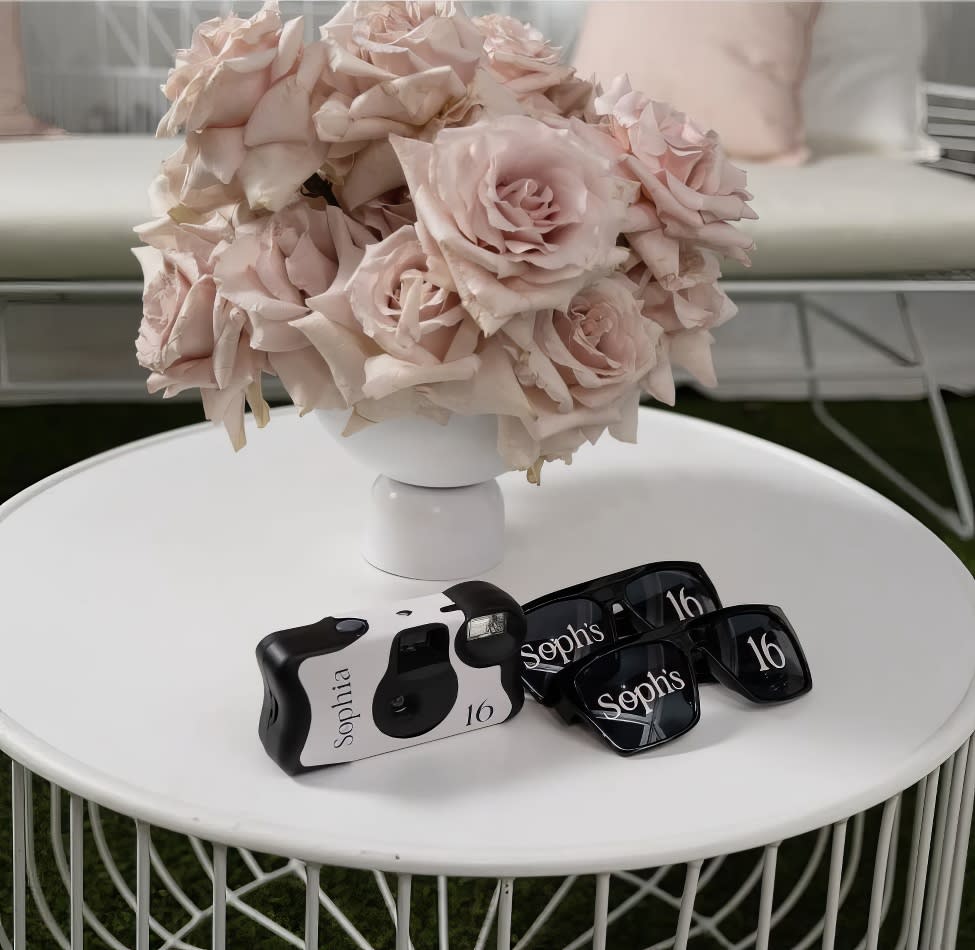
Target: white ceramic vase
<point>436,511</point>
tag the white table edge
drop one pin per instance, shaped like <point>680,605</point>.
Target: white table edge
<point>165,813</point>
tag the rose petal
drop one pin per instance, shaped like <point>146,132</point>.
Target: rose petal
<point>344,350</point>
<point>691,350</point>
<point>385,374</point>
<point>308,381</point>
<point>282,115</point>
<point>271,174</point>
<point>289,48</point>
<point>494,389</point>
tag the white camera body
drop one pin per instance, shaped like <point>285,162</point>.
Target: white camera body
<point>374,681</point>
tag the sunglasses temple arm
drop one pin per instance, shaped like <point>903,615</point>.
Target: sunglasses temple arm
<point>680,634</point>
<point>567,710</point>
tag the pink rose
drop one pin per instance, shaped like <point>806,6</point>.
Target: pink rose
<point>270,269</point>
<point>589,354</point>
<point>197,236</point>
<point>687,349</point>
<point>201,175</point>
<point>691,350</point>
<point>398,343</point>
<point>527,442</point>
<point>230,64</point>
<point>516,216</point>
<point>571,98</point>
<point>373,41</point>
<point>529,67</point>
<point>687,308</point>
<point>519,56</point>
<point>424,333</point>
<point>191,337</point>
<point>281,147</point>
<point>582,370</point>
<point>690,188</point>
<point>246,92</point>
<point>387,212</point>
<point>394,68</point>
<point>691,298</point>
<point>526,445</point>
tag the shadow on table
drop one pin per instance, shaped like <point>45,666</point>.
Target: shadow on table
<point>534,744</point>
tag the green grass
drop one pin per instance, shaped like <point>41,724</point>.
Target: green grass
<point>36,441</point>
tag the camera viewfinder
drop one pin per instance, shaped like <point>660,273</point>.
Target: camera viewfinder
<point>490,625</point>
<point>422,646</point>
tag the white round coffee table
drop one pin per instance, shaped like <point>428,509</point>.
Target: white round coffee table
<point>137,584</point>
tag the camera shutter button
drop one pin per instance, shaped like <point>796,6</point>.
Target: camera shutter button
<point>351,626</point>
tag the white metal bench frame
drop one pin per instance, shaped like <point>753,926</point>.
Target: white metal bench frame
<point>913,365</point>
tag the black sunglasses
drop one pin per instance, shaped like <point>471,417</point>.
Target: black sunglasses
<point>570,624</point>
<point>644,692</point>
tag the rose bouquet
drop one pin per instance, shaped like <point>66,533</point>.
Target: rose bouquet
<point>426,213</point>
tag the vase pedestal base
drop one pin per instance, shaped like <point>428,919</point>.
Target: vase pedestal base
<point>435,534</point>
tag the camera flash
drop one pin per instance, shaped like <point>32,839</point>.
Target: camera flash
<point>489,625</point>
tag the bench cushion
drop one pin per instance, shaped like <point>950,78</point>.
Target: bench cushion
<point>69,206</point>
<point>858,215</point>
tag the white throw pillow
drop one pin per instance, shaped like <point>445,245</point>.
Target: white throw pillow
<point>862,92</point>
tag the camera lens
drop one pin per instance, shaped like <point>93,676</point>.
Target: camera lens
<point>398,704</point>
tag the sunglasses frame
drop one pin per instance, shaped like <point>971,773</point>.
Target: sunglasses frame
<point>611,589</point>
<point>680,635</point>
<point>571,708</point>
<point>574,710</point>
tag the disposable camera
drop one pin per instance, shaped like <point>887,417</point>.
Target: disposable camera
<point>391,677</point>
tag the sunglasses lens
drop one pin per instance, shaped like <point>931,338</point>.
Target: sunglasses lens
<point>559,634</point>
<point>762,654</point>
<point>639,695</point>
<point>668,596</point>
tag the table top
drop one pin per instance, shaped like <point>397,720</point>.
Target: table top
<point>137,584</point>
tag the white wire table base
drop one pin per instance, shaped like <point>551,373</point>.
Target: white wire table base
<point>892,877</point>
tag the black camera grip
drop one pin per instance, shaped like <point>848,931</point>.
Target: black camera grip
<point>286,712</point>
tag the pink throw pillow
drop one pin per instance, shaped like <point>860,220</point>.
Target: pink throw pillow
<point>732,65</point>
<point>14,117</point>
